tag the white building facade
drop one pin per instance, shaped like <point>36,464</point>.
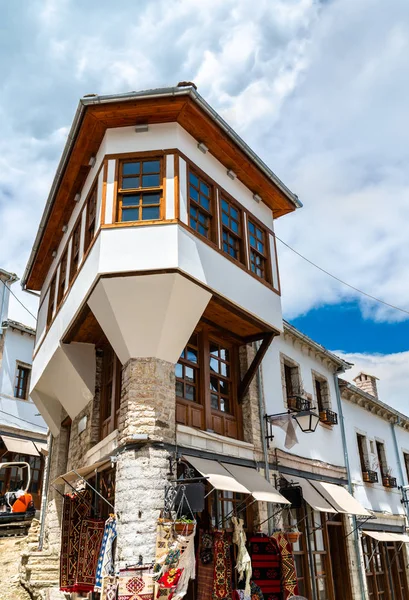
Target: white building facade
<point>23,431</point>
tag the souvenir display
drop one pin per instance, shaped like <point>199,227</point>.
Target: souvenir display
<point>76,507</point>
<point>243,560</point>
<point>266,563</point>
<point>105,561</point>
<point>288,574</point>
<point>135,585</point>
<point>222,579</point>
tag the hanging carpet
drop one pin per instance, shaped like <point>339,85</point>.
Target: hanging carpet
<point>92,531</point>
<point>266,562</point>
<point>76,507</point>
<point>164,540</point>
<point>222,587</point>
<point>288,573</point>
<point>109,588</point>
<point>135,585</point>
<point>205,567</point>
<point>105,560</point>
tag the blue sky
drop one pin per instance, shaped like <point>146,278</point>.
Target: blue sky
<point>343,327</point>
<point>302,81</point>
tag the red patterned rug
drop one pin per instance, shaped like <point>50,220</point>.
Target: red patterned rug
<point>266,563</point>
<point>76,508</point>
<point>288,573</point>
<point>222,587</point>
<point>92,532</point>
<point>205,574</point>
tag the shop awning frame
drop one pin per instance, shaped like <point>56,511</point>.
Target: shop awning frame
<point>237,478</point>
<point>386,536</point>
<point>20,445</point>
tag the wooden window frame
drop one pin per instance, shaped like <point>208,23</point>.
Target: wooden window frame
<point>110,403</point>
<point>362,451</point>
<point>212,214</point>
<point>17,379</point>
<point>90,216</point>
<point>62,281</point>
<point>381,456</point>
<point>264,256</point>
<point>75,254</point>
<point>201,414</point>
<point>51,299</point>
<point>226,228</point>
<point>121,192</point>
<point>379,570</point>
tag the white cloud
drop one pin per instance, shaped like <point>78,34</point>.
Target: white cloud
<point>319,89</point>
<point>392,371</point>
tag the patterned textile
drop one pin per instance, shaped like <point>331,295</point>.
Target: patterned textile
<point>164,540</point>
<point>222,587</point>
<point>288,573</point>
<point>92,531</point>
<point>135,586</point>
<point>76,507</point>
<point>171,578</point>
<point>109,588</point>
<point>256,593</point>
<point>266,561</point>
<point>243,560</point>
<point>187,563</point>
<point>105,560</point>
<point>205,570</point>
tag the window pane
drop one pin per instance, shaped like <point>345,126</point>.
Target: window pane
<point>192,355</point>
<point>214,349</point>
<point>214,384</point>
<point>194,194</point>
<point>131,168</point>
<point>214,365</point>
<point>224,387</point>
<point>130,200</point>
<point>150,180</point>
<point>130,214</point>
<point>234,226</point>
<point>234,214</point>
<point>204,189</point>
<point>189,373</point>
<point>190,393</point>
<point>204,202</point>
<point>214,401</point>
<point>194,179</point>
<point>151,166</point>
<point>130,183</point>
<point>224,404</point>
<point>178,370</point>
<point>150,199</point>
<point>179,389</point>
<point>151,212</point>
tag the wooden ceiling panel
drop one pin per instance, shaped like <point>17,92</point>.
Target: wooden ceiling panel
<point>230,318</point>
<point>86,330</point>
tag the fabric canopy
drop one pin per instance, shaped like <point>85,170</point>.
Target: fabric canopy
<point>259,487</point>
<point>311,495</point>
<point>386,536</point>
<point>20,446</point>
<point>340,498</point>
<point>217,475</point>
<point>234,478</point>
<point>83,472</point>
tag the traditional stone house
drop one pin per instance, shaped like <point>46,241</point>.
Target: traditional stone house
<point>160,298</point>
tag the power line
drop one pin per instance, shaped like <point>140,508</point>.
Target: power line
<point>18,300</point>
<point>344,282</point>
<point>25,420</point>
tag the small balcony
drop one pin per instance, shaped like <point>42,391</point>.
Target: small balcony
<point>298,403</point>
<point>370,476</point>
<point>329,417</point>
<point>389,482</point>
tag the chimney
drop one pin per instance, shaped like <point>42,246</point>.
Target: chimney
<point>367,383</point>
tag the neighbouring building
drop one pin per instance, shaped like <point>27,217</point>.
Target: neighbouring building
<point>161,357</point>
<point>23,432</point>
<point>377,438</point>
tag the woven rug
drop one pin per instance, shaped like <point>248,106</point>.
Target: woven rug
<point>288,573</point>
<point>106,559</point>
<point>92,531</point>
<point>266,562</point>
<point>205,573</point>
<point>222,574</point>
<point>109,588</point>
<point>164,539</point>
<point>76,507</point>
<point>135,586</point>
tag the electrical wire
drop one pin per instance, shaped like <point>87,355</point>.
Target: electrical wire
<point>25,420</point>
<point>343,282</point>
<point>18,300</point>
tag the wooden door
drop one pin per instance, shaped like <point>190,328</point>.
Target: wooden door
<point>339,560</point>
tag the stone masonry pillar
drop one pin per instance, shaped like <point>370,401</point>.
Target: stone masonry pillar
<point>147,407</point>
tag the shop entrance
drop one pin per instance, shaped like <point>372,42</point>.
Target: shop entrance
<point>339,560</point>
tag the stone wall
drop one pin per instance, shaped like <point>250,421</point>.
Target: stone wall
<point>147,400</point>
<point>80,443</point>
